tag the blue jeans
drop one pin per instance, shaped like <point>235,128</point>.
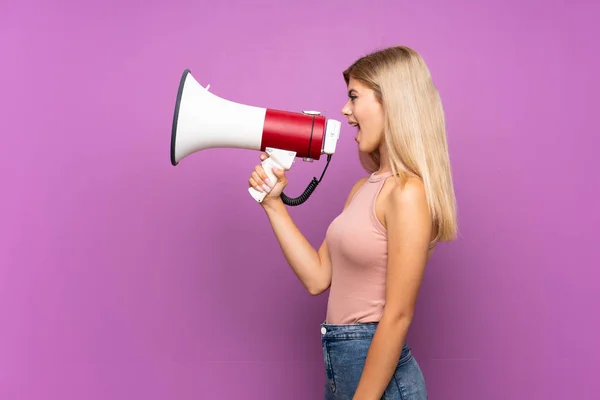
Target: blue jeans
<point>345,350</point>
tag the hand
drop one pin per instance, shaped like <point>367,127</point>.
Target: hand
<point>260,181</point>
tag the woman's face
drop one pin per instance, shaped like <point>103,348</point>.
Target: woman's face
<point>364,111</point>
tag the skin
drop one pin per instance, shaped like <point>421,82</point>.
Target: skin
<point>401,208</point>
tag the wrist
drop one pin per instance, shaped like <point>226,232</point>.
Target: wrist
<point>272,204</point>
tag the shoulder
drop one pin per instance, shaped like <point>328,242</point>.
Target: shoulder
<point>410,193</point>
<point>406,204</point>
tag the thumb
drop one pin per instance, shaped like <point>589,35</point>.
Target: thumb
<point>279,173</point>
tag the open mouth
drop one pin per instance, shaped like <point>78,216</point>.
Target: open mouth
<point>357,126</point>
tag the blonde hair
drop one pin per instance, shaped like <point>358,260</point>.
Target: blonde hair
<point>414,133</point>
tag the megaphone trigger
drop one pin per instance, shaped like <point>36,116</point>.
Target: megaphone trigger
<point>281,159</point>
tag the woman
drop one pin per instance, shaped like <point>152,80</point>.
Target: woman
<point>374,253</point>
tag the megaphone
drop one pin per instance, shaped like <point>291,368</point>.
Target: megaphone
<point>203,120</point>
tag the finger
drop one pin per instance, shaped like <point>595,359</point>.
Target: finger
<point>278,172</point>
<point>260,182</point>
<point>257,178</point>
<point>255,185</point>
<point>263,156</point>
<point>263,175</point>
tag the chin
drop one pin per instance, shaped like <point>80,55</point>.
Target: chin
<point>366,148</point>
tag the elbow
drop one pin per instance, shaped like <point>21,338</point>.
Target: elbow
<point>314,291</point>
<point>319,281</point>
<point>317,289</point>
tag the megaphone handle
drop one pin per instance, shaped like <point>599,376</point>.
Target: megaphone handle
<point>267,165</point>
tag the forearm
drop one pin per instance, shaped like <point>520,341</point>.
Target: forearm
<point>299,253</point>
<point>382,358</point>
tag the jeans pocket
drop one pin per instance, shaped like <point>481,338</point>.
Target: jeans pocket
<point>405,357</point>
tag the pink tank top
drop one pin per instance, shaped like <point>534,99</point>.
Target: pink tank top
<point>357,244</point>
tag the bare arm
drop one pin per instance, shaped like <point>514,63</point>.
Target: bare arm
<point>312,267</point>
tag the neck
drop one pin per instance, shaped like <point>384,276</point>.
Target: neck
<point>384,165</point>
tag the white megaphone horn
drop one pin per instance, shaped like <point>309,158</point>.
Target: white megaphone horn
<point>203,120</point>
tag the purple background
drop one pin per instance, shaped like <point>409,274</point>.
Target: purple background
<point>114,286</point>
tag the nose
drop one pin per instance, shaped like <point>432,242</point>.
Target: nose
<point>346,109</point>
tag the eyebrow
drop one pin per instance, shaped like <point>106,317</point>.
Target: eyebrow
<point>352,91</point>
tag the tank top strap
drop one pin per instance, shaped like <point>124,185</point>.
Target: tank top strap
<point>378,180</point>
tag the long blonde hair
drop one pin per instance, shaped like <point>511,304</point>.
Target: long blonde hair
<point>415,132</point>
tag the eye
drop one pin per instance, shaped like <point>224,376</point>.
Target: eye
<point>352,95</point>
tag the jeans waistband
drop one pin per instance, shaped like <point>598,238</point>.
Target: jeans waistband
<point>348,331</point>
